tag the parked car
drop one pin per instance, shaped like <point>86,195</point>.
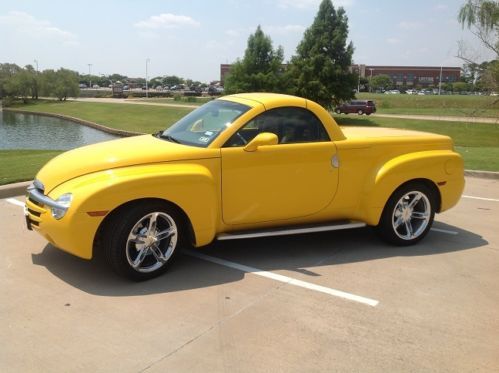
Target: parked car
<point>242,166</point>
<point>392,92</point>
<point>411,92</point>
<point>357,106</point>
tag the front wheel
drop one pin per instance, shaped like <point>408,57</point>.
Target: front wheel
<point>142,240</point>
<point>360,112</point>
<point>408,215</point>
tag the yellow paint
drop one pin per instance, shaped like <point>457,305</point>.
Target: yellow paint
<point>227,189</point>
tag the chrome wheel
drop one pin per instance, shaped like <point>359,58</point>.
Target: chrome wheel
<point>411,215</point>
<point>151,242</point>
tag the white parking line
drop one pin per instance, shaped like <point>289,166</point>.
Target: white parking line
<point>285,279</point>
<point>481,198</point>
<point>444,231</point>
<point>15,202</point>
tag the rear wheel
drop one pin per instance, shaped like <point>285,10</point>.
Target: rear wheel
<point>408,214</point>
<point>142,240</point>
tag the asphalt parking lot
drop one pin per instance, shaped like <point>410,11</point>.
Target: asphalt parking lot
<point>337,302</point>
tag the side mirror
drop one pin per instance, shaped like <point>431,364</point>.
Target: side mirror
<point>264,138</point>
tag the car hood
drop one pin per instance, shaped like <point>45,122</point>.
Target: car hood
<point>107,155</point>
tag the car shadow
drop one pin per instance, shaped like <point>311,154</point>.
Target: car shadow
<point>300,254</point>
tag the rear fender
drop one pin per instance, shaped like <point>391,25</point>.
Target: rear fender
<point>443,169</point>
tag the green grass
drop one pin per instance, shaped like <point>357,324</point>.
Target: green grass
<point>480,158</point>
<point>198,101</point>
<point>128,117</point>
<point>451,105</point>
<point>21,165</point>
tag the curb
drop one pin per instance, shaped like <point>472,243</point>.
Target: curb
<point>19,189</point>
<point>482,174</point>
<point>78,121</point>
<point>12,190</point>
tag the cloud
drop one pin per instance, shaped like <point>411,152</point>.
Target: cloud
<point>284,30</point>
<point>166,21</point>
<point>411,25</point>
<point>232,33</point>
<point>441,7</point>
<point>393,41</point>
<point>311,4</point>
<point>24,23</point>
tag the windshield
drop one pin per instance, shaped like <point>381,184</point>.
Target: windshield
<point>203,125</point>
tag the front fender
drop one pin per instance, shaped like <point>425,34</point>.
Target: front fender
<point>192,187</point>
<point>443,168</point>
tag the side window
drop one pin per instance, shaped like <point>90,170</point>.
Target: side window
<point>290,124</point>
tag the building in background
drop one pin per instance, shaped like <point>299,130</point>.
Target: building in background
<point>402,76</point>
<point>411,76</point>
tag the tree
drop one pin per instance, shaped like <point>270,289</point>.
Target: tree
<point>260,70</point>
<point>19,85</point>
<point>381,81</point>
<point>171,80</point>
<point>33,74</point>
<point>482,18</point>
<point>62,84</point>
<point>7,71</point>
<point>321,69</point>
<point>66,84</point>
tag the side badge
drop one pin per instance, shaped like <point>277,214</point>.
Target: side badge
<point>335,162</point>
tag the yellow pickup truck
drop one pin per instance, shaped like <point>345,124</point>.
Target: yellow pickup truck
<point>242,166</point>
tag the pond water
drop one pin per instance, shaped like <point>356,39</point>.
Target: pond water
<point>31,131</point>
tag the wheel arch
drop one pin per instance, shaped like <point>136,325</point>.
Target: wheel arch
<point>185,220</point>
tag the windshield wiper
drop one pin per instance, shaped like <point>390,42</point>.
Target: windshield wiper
<point>170,138</point>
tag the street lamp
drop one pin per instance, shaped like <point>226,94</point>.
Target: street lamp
<point>89,75</point>
<point>358,81</point>
<point>147,63</point>
<point>370,80</point>
<point>36,81</point>
<point>440,81</point>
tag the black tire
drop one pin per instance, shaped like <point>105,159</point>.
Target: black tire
<point>360,112</point>
<point>338,111</point>
<point>408,215</point>
<point>132,239</point>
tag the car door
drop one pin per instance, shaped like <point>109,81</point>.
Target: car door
<point>292,179</point>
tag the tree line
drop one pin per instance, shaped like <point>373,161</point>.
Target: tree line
<point>24,83</point>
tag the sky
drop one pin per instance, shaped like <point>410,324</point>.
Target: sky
<point>191,38</point>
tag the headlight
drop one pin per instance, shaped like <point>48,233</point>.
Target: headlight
<point>63,203</point>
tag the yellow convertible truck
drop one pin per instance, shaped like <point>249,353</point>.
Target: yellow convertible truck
<point>246,165</point>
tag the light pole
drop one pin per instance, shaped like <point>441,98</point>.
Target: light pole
<point>36,80</point>
<point>89,75</point>
<point>358,80</point>
<point>147,88</point>
<point>440,81</point>
<point>370,80</point>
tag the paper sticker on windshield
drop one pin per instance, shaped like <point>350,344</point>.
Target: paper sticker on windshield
<point>208,133</point>
<point>204,139</point>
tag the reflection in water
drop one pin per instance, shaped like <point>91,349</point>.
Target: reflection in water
<point>31,131</point>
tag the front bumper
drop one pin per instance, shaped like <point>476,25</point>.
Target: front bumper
<point>74,233</point>
<point>37,203</point>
